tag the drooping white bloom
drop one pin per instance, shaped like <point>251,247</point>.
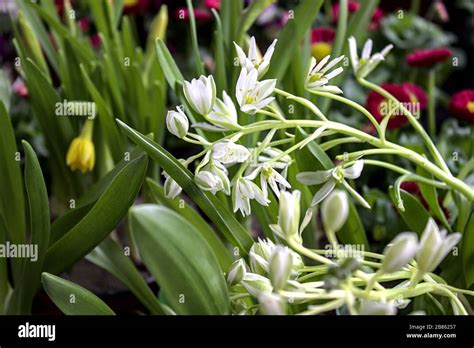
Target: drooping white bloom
<point>256,284</point>
<point>201,94</point>
<point>318,75</point>
<point>259,255</point>
<point>368,307</point>
<point>280,265</point>
<point>245,190</point>
<point>171,187</point>
<point>400,252</point>
<point>253,95</point>
<point>368,61</point>
<point>435,245</point>
<point>177,123</point>
<point>236,272</point>
<point>253,60</point>
<point>269,176</point>
<point>213,177</point>
<point>271,304</point>
<point>330,177</point>
<point>335,210</point>
<point>228,152</point>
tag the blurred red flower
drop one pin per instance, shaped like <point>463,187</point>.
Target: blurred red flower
<point>353,6</point>
<point>417,94</point>
<point>462,105</point>
<point>135,6</point>
<point>213,4</point>
<point>321,42</point>
<point>428,57</point>
<point>200,15</point>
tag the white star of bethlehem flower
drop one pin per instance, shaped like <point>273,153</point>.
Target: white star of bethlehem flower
<point>254,60</point>
<point>318,75</point>
<point>368,61</point>
<point>253,95</point>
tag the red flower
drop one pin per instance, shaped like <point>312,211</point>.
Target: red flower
<point>379,107</point>
<point>417,94</point>
<point>462,105</point>
<point>200,14</point>
<point>20,88</point>
<point>213,4</point>
<point>376,19</point>
<point>428,57</point>
<point>95,40</point>
<point>84,24</point>
<point>321,42</point>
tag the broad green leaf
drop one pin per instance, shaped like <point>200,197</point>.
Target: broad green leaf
<point>170,69</point>
<point>181,261</point>
<point>211,206</point>
<point>39,226</point>
<point>60,291</point>
<point>103,217</point>
<point>183,209</point>
<point>249,16</point>
<point>219,53</point>
<point>12,203</point>
<point>430,195</point>
<point>415,215</point>
<point>111,257</point>
<point>291,36</point>
<point>468,251</point>
<point>194,39</point>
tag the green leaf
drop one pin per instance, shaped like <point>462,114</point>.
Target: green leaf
<point>39,226</point>
<point>291,36</point>
<point>230,11</point>
<point>194,39</point>
<point>220,56</point>
<point>183,209</point>
<point>111,257</point>
<point>85,302</point>
<point>170,69</point>
<point>249,16</point>
<point>12,203</point>
<point>430,195</point>
<point>468,251</point>
<point>103,217</point>
<point>415,215</point>
<point>212,207</point>
<point>181,261</point>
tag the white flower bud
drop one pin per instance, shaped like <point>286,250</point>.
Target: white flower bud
<point>335,210</point>
<point>177,123</point>
<point>208,181</point>
<point>377,308</point>
<point>227,152</point>
<point>289,214</point>
<point>201,94</point>
<point>256,284</point>
<point>435,245</point>
<point>259,255</point>
<point>280,265</point>
<point>171,188</point>
<point>237,272</point>
<point>271,304</point>
<point>400,252</point>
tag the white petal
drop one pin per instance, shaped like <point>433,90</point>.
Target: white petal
<point>334,73</point>
<point>353,52</point>
<point>323,192</point>
<point>354,171</point>
<point>367,50</point>
<point>313,178</point>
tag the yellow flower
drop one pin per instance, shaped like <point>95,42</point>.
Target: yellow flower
<point>81,153</point>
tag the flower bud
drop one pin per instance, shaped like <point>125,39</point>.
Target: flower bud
<point>376,308</point>
<point>201,94</point>
<point>256,284</point>
<point>227,152</point>
<point>434,246</point>
<point>259,256</point>
<point>271,304</point>
<point>177,123</point>
<point>400,252</point>
<point>335,210</point>
<point>207,181</point>
<point>171,188</point>
<point>237,272</point>
<point>280,265</point>
<point>289,214</point>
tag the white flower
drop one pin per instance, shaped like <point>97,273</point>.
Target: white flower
<point>213,177</point>
<point>224,113</point>
<point>318,75</point>
<point>269,176</point>
<point>377,308</point>
<point>253,95</point>
<point>335,210</point>
<point>201,94</point>
<point>280,266</point>
<point>237,272</point>
<point>228,152</point>
<point>288,216</point>
<point>368,62</point>
<point>171,187</point>
<point>332,176</point>
<point>253,60</point>
<point>256,284</point>
<point>435,245</point>
<point>177,123</point>
<point>259,255</point>
<point>271,304</point>
<point>244,190</point>
<point>400,252</point>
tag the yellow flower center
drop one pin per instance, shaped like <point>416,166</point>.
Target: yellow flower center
<point>128,3</point>
<point>249,99</point>
<point>315,77</point>
<point>470,106</point>
<point>320,50</point>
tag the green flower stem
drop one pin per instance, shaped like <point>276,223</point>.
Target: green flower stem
<point>328,306</point>
<point>413,121</point>
<point>356,106</point>
<point>271,114</point>
<point>359,154</point>
<point>432,102</point>
<point>364,253</point>
<point>335,142</point>
<point>386,165</point>
<point>308,253</point>
<point>372,281</point>
<point>305,102</point>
